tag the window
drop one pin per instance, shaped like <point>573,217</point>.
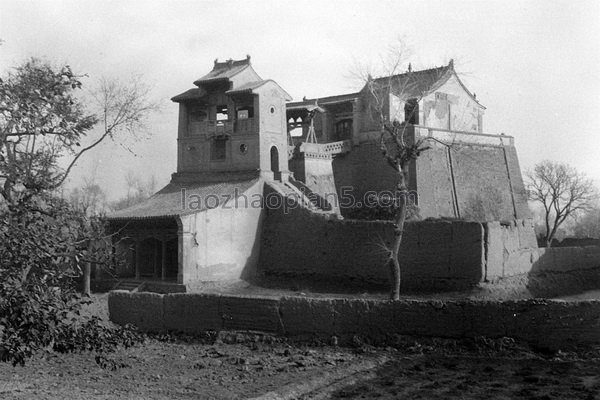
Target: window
<point>245,112</point>
<point>222,113</point>
<point>343,129</point>
<point>411,111</point>
<point>219,149</point>
<point>197,114</point>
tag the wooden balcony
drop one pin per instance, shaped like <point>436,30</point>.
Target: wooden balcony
<point>223,127</point>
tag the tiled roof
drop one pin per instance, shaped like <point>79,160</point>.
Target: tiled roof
<point>192,94</point>
<point>224,70</point>
<point>416,84</point>
<point>182,198</point>
<point>249,87</point>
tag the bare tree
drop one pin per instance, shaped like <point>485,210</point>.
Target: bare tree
<point>88,198</point>
<point>123,108</point>
<point>138,190</point>
<point>562,191</point>
<point>43,123</point>
<point>399,145</point>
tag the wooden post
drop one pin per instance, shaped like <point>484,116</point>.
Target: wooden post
<point>137,258</point>
<point>163,268</point>
<point>155,262</point>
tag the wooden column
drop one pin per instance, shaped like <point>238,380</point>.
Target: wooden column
<point>137,258</point>
<point>163,268</point>
<point>155,262</point>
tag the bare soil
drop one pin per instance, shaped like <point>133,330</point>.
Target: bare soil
<point>468,377</point>
<point>235,365</point>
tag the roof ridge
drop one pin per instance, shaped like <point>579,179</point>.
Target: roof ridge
<point>230,63</point>
<point>448,67</point>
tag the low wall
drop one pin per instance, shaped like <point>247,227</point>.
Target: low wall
<point>548,324</point>
<point>511,249</point>
<point>576,242</point>
<point>516,266</point>
<point>305,250</point>
<point>309,248</point>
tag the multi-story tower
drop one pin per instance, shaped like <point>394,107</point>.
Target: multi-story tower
<point>232,121</point>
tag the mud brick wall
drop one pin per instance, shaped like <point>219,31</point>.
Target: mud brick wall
<point>511,249</point>
<point>478,182</point>
<point>549,324</point>
<point>435,255</point>
<point>144,309</point>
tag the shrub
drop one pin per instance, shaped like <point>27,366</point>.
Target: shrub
<point>42,244</point>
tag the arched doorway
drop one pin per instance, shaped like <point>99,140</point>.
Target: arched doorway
<point>275,163</point>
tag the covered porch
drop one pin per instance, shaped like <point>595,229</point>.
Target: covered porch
<point>148,249</point>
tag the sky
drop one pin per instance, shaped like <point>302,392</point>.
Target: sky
<point>535,65</point>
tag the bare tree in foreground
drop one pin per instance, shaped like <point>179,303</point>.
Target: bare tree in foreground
<point>562,191</point>
<point>398,145</point>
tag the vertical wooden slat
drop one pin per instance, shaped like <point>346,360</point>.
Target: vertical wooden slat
<point>163,272</point>
<point>137,258</point>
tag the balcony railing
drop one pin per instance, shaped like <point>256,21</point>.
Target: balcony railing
<point>222,127</point>
<point>326,150</point>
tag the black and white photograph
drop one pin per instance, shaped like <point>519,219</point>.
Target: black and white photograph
<point>299,200</point>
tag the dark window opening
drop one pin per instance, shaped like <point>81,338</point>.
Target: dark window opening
<point>411,112</point>
<point>198,114</point>
<point>219,149</point>
<point>245,112</point>
<point>343,129</point>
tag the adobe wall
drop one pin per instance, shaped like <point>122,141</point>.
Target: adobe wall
<point>301,246</point>
<point>516,268</point>
<point>360,171</point>
<point>511,249</point>
<point>475,182</point>
<point>316,173</point>
<point>222,243</point>
<point>549,324</point>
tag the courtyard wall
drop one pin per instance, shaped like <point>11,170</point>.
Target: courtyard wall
<point>314,249</point>
<point>544,323</point>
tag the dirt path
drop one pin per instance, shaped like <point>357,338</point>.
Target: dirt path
<point>445,370</point>
<point>161,370</point>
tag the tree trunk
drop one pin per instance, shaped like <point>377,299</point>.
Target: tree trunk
<point>87,274</point>
<point>394,263</point>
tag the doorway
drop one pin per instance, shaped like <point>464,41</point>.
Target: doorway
<point>275,163</point>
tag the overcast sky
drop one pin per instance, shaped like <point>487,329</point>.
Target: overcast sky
<point>534,64</point>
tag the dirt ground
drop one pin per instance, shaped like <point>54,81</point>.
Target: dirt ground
<point>468,377</point>
<point>248,365</point>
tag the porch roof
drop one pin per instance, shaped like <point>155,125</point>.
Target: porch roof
<point>184,198</point>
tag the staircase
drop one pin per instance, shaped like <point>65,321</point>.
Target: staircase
<point>130,285</point>
<point>290,190</point>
